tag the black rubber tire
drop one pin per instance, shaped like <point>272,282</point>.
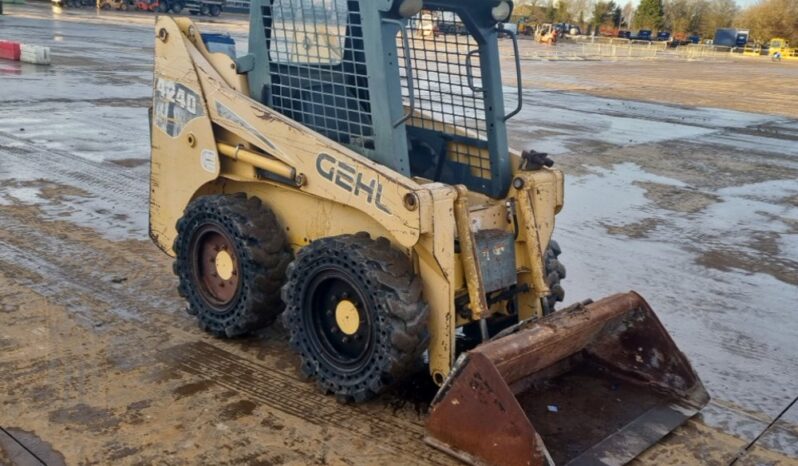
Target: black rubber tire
<point>555,273</point>
<point>262,253</point>
<point>215,10</point>
<point>398,311</point>
<point>177,7</point>
<point>163,7</point>
<point>204,9</point>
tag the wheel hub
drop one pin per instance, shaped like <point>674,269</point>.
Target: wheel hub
<point>338,321</point>
<point>224,265</point>
<point>347,317</point>
<point>216,267</point>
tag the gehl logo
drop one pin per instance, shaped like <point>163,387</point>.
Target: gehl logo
<point>348,178</point>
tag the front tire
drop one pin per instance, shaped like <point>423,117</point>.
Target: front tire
<point>355,315</point>
<point>555,273</point>
<point>231,260</point>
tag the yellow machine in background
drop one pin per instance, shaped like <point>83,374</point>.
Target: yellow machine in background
<point>546,34</point>
<point>352,176</point>
<point>782,47</point>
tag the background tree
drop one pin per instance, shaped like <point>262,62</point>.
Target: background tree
<point>628,12</point>
<point>563,12</point>
<point>603,14</point>
<point>677,15</point>
<point>650,14</point>
<point>579,10</point>
<point>551,12</point>
<point>617,16</point>
<point>771,18</point>
<point>719,14</point>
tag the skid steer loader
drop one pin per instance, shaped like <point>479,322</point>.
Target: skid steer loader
<point>352,173</point>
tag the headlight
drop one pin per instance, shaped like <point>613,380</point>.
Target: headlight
<point>501,12</point>
<point>408,8</point>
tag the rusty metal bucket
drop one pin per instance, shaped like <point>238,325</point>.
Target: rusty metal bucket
<point>592,384</point>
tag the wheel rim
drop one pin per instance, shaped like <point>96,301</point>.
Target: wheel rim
<point>216,267</point>
<point>337,320</point>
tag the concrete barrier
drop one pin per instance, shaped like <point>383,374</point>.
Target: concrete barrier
<point>9,50</point>
<point>35,54</point>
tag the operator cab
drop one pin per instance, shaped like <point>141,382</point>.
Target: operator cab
<point>413,85</point>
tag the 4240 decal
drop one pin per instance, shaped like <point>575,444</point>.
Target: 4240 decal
<point>174,106</point>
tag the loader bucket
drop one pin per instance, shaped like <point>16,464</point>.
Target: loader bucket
<point>592,384</point>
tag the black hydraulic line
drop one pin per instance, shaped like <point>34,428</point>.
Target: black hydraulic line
<point>776,419</point>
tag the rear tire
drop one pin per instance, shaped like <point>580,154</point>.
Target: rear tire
<point>355,315</point>
<point>177,8</point>
<point>215,10</point>
<point>231,260</point>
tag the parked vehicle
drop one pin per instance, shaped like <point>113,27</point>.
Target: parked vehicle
<point>731,37</point>
<point>643,34</point>
<point>205,7</point>
<point>780,48</point>
<point>122,5</point>
<point>385,245</point>
<point>546,34</point>
<point>72,3</point>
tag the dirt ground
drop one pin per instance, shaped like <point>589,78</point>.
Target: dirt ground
<point>681,185</point>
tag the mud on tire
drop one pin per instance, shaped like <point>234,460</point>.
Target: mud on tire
<point>260,255</point>
<point>555,273</point>
<point>392,314</point>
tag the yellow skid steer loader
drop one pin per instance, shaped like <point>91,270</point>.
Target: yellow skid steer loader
<point>351,172</point>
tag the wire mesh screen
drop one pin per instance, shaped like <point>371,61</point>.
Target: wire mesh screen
<point>448,85</point>
<point>319,74</point>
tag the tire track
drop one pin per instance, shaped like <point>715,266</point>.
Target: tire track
<point>301,400</point>
<point>54,265</point>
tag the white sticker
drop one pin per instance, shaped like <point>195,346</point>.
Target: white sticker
<point>209,160</point>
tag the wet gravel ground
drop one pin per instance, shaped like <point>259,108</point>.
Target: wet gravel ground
<point>695,207</point>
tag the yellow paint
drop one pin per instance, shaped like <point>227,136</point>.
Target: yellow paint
<point>224,265</point>
<point>478,305</point>
<point>347,317</point>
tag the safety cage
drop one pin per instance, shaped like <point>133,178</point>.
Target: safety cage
<point>422,94</point>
